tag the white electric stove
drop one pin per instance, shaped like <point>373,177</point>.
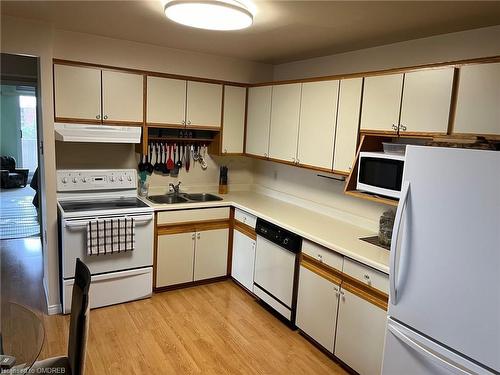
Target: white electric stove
<point>90,195</point>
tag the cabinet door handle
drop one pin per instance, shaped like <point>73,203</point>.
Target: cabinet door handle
<point>198,235</point>
<point>402,127</point>
<point>320,258</point>
<point>225,150</point>
<point>183,122</point>
<point>265,154</point>
<point>189,122</point>
<point>395,127</point>
<point>98,117</point>
<point>192,236</point>
<point>105,117</point>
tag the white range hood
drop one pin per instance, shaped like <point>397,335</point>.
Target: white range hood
<point>97,133</point>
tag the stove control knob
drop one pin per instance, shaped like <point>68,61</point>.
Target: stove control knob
<point>112,178</point>
<point>121,178</point>
<point>75,180</point>
<point>129,178</point>
<point>84,179</point>
<point>64,180</point>
<point>285,241</point>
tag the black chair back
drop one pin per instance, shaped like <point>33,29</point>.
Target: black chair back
<point>79,322</point>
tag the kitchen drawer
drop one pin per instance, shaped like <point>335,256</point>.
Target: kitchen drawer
<point>245,217</point>
<point>367,275</point>
<point>323,254</point>
<point>186,216</point>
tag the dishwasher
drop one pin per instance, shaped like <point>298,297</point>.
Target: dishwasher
<point>276,268</point>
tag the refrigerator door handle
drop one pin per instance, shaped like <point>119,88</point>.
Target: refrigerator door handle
<point>394,241</point>
<point>431,355</point>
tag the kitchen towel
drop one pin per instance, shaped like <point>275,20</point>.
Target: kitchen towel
<point>108,236</point>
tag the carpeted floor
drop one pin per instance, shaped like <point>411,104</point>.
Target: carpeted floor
<point>18,216</point>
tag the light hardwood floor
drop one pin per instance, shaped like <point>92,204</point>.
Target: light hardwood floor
<point>210,329</point>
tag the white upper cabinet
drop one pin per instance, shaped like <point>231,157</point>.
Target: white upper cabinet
<point>166,101</point>
<point>233,130</point>
<point>258,120</point>
<point>346,136</point>
<point>478,104</point>
<point>318,111</point>
<point>122,97</point>
<point>381,102</point>
<point>426,101</point>
<point>204,104</point>
<point>285,122</point>
<point>77,93</point>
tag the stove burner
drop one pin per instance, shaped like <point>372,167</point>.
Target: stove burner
<point>113,204</point>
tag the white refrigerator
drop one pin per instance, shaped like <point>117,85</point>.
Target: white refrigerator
<point>444,303</point>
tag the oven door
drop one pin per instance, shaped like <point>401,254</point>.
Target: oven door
<point>381,175</point>
<point>74,245</point>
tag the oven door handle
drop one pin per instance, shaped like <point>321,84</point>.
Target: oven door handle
<point>83,223</point>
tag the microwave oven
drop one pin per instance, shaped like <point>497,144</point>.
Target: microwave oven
<point>380,173</point>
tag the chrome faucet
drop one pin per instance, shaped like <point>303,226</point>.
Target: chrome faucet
<point>175,188</point>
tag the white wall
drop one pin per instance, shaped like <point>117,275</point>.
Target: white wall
<point>21,36</point>
<point>482,42</point>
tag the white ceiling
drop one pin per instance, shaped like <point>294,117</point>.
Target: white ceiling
<point>283,31</point>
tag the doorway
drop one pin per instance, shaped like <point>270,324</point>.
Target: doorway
<point>19,201</point>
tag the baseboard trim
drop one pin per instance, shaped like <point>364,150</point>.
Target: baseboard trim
<point>51,309</point>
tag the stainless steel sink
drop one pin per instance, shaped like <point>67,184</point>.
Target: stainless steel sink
<point>202,197</point>
<point>168,199</point>
<point>184,198</point>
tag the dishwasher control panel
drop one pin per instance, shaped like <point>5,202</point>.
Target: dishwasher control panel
<point>282,237</point>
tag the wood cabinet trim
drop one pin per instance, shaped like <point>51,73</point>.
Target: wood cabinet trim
<point>71,120</point>
<point>321,269</point>
<point>195,226</point>
<point>347,282</point>
<point>147,72</point>
<point>245,229</point>
<point>372,73</point>
<point>371,295</point>
<point>189,284</point>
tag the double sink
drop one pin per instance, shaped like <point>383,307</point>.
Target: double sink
<point>173,198</point>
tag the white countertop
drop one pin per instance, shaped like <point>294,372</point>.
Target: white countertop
<point>325,230</point>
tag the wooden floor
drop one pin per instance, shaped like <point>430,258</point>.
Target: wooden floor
<point>210,329</point>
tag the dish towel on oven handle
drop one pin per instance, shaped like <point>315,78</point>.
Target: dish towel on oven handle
<point>109,236</point>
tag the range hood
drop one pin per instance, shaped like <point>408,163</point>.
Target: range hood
<point>97,133</point>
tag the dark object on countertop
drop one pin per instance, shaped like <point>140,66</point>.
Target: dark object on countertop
<point>375,241</point>
<point>385,227</point>
<point>223,180</point>
<point>12,177</point>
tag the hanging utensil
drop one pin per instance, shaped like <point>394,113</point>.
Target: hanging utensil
<point>164,168</point>
<point>188,158</point>
<point>174,172</point>
<point>203,163</point>
<point>149,167</point>
<point>179,163</point>
<point>183,160</point>
<point>158,158</point>
<point>170,162</point>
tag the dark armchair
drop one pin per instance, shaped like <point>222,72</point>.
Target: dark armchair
<point>12,177</point>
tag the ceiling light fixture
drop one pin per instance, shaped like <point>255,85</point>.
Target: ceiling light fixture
<point>209,14</point>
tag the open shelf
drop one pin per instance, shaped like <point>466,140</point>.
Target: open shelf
<point>367,143</point>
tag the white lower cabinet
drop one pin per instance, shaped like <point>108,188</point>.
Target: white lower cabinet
<point>360,335</point>
<point>191,256</point>
<point>317,305</point>
<point>210,254</point>
<point>174,259</point>
<point>243,261</point>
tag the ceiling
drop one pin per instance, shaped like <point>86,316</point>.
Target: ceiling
<point>283,31</point>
